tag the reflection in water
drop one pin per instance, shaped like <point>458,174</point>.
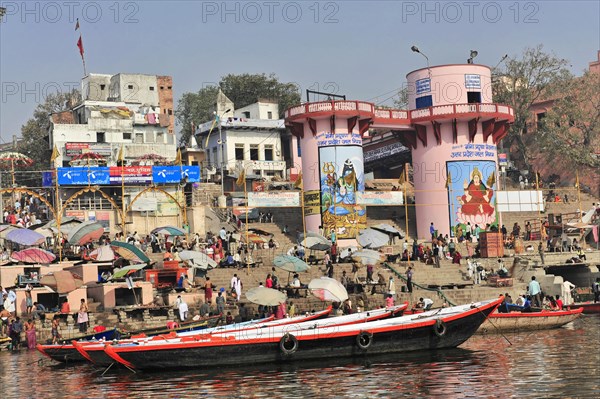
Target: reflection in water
<point>555,363</point>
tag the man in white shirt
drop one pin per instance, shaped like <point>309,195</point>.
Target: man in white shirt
<point>425,303</point>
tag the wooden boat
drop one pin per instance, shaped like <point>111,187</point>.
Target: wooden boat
<point>442,328</point>
<point>588,307</point>
<point>528,321</point>
<point>65,352</point>
<point>95,351</point>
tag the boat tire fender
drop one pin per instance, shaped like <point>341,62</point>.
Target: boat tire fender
<point>364,340</point>
<point>288,344</point>
<point>439,328</point>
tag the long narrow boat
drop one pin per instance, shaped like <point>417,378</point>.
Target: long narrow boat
<point>95,351</point>
<point>528,321</point>
<point>442,328</point>
<point>65,352</point>
<point>588,307</point>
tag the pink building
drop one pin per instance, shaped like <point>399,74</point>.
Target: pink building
<point>452,129</point>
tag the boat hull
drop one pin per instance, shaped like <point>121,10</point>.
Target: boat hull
<point>415,336</point>
<point>516,322</point>
<point>588,308</point>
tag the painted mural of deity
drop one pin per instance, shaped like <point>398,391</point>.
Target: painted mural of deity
<point>476,205</point>
<point>339,185</point>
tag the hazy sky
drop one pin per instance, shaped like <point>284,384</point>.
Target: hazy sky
<point>357,48</point>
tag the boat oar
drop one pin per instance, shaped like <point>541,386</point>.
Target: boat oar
<point>496,327</point>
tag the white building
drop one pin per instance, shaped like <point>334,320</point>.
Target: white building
<point>251,140</point>
<point>129,110</point>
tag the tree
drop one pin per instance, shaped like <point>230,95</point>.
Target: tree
<point>401,102</point>
<point>571,128</point>
<point>245,89</point>
<point>34,132</point>
<point>520,82</point>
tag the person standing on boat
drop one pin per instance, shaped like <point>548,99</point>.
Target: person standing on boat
<point>535,291</point>
<point>566,289</point>
<point>82,316</point>
<point>596,290</point>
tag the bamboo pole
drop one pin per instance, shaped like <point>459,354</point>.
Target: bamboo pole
<point>578,195</point>
<point>406,207</point>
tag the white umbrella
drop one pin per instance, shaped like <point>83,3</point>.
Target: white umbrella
<point>198,260</point>
<point>369,238</point>
<point>328,289</point>
<point>265,296</point>
<point>315,242</point>
<point>368,256</point>
<point>388,228</point>
<point>346,252</point>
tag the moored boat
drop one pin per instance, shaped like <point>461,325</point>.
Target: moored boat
<point>441,328</point>
<point>528,321</point>
<point>588,307</point>
<point>95,351</point>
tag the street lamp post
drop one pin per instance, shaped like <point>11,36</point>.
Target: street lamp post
<point>222,202</point>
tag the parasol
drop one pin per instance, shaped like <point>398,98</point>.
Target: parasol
<point>103,253</point>
<point>369,238</point>
<point>11,160</point>
<point>7,228</point>
<point>151,159</point>
<point>62,281</point>
<point>265,296</point>
<point>368,256</point>
<point>388,229</point>
<point>25,237</point>
<point>126,270</point>
<point>328,289</point>
<point>129,252</point>
<point>85,233</point>
<point>169,231</point>
<point>291,264</point>
<point>315,242</point>
<point>198,260</point>
<point>87,159</point>
<point>33,255</point>
<point>347,252</point>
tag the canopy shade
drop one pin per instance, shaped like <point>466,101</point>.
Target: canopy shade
<point>129,252</point>
<point>315,242</point>
<point>197,259</point>
<point>124,271</point>
<point>369,238</point>
<point>328,289</point>
<point>265,296</point>
<point>33,255</point>
<point>85,233</point>
<point>62,281</point>
<point>103,253</point>
<point>368,257</point>
<point>388,229</point>
<point>290,264</point>
<point>25,237</point>
<point>169,231</point>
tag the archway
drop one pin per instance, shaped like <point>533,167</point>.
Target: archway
<point>160,190</point>
<point>33,194</point>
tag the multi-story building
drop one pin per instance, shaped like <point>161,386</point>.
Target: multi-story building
<point>130,110</point>
<point>252,140</point>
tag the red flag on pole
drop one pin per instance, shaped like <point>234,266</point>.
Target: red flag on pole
<point>80,46</point>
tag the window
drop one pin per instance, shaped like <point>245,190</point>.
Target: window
<point>474,97</point>
<point>170,112</point>
<point>139,138</point>
<point>268,152</point>
<point>130,87</point>
<point>298,147</point>
<point>254,152</point>
<point>269,115</point>
<point>246,114</point>
<point>66,164</point>
<point>215,156</point>
<point>169,87</point>
<point>151,88</point>
<point>100,137</point>
<point>162,87</point>
<point>540,119</point>
<point>126,136</point>
<point>160,138</point>
<point>424,102</point>
<point>102,87</point>
<point>239,152</point>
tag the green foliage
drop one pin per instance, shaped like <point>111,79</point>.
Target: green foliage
<point>35,131</point>
<point>522,81</point>
<point>243,90</point>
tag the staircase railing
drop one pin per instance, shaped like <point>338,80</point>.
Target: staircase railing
<point>439,292</point>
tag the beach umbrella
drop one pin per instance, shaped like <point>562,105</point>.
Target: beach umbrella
<point>7,228</point>
<point>33,255</point>
<point>328,289</point>
<point>198,260</point>
<point>126,270</point>
<point>85,233</point>
<point>62,281</point>
<point>129,252</point>
<point>265,296</point>
<point>169,231</point>
<point>88,159</point>
<point>388,229</point>
<point>46,232</point>
<point>103,253</point>
<point>151,159</point>
<point>315,242</point>
<point>369,238</point>
<point>346,252</point>
<point>368,256</point>
<point>25,237</point>
<point>290,264</point>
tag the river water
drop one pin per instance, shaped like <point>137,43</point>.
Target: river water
<point>561,363</point>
